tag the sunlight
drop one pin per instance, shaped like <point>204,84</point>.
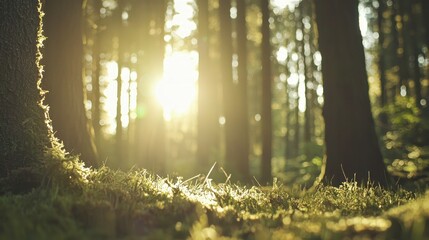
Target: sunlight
<point>182,19</point>
<point>282,4</point>
<point>177,90</point>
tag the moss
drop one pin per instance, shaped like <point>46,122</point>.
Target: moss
<point>112,204</point>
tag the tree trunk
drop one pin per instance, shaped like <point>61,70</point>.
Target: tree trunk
<point>266,116</point>
<point>230,98</point>
<point>120,51</point>
<point>415,52</point>
<point>306,70</point>
<point>208,117</point>
<point>403,54</point>
<point>394,92</point>
<point>150,126</point>
<point>24,132</point>
<point>381,63</point>
<point>96,91</point>
<point>242,123</point>
<point>351,143</point>
<point>63,78</point>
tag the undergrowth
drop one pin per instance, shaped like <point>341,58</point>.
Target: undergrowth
<point>80,203</point>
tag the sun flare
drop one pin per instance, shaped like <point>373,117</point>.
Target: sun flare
<point>176,92</point>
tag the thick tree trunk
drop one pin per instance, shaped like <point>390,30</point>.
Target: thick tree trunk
<point>63,78</point>
<point>24,132</point>
<point>208,117</point>
<point>266,94</point>
<point>351,143</point>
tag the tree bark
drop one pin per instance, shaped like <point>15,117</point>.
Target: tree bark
<point>64,78</point>
<point>24,131</point>
<point>351,143</point>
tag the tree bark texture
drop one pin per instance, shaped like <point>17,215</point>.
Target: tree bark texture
<point>24,132</point>
<point>64,78</point>
<point>352,147</point>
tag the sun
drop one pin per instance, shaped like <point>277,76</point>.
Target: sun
<point>176,91</point>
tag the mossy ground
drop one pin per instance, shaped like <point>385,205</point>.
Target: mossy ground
<point>108,204</point>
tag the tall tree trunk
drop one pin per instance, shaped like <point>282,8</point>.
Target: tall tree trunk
<point>96,91</point>
<point>351,142</point>
<point>307,118</point>
<point>63,78</point>
<point>288,143</point>
<point>403,54</point>
<point>381,63</point>
<point>413,40</point>
<point>24,133</point>
<point>425,17</point>
<point>208,117</point>
<point>228,88</point>
<point>242,123</point>
<point>119,50</point>
<point>394,92</point>
<point>266,116</point>
<point>150,126</point>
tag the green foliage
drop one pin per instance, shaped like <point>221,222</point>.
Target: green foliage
<point>408,124</point>
<point>407,138</point>
<point>112,204</point>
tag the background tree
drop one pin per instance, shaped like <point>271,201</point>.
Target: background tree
<point>234,94</point>
<point>150,127</point>
<point>242,124</point>
<point>63,78</point>
<point>208,117</point>
<point>352,149</point>
<point>266,93</point>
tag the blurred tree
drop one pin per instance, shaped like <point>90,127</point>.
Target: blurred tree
<point>64,78</point>
<point>149,19</point>
<point>266,116</point>
<point>425,13</point>
<point>242,124</point>
<point>96,72</point>
<point>351,142</point>
<point>208,117</point>
<point>304,47</point>
<point>236,137</point>
<point>119,49</point>
<point>381,62</point>
<point>414,40</point>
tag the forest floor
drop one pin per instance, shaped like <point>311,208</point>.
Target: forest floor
<point>108,204</point>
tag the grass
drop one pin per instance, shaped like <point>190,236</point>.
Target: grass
<point>109,204</point>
